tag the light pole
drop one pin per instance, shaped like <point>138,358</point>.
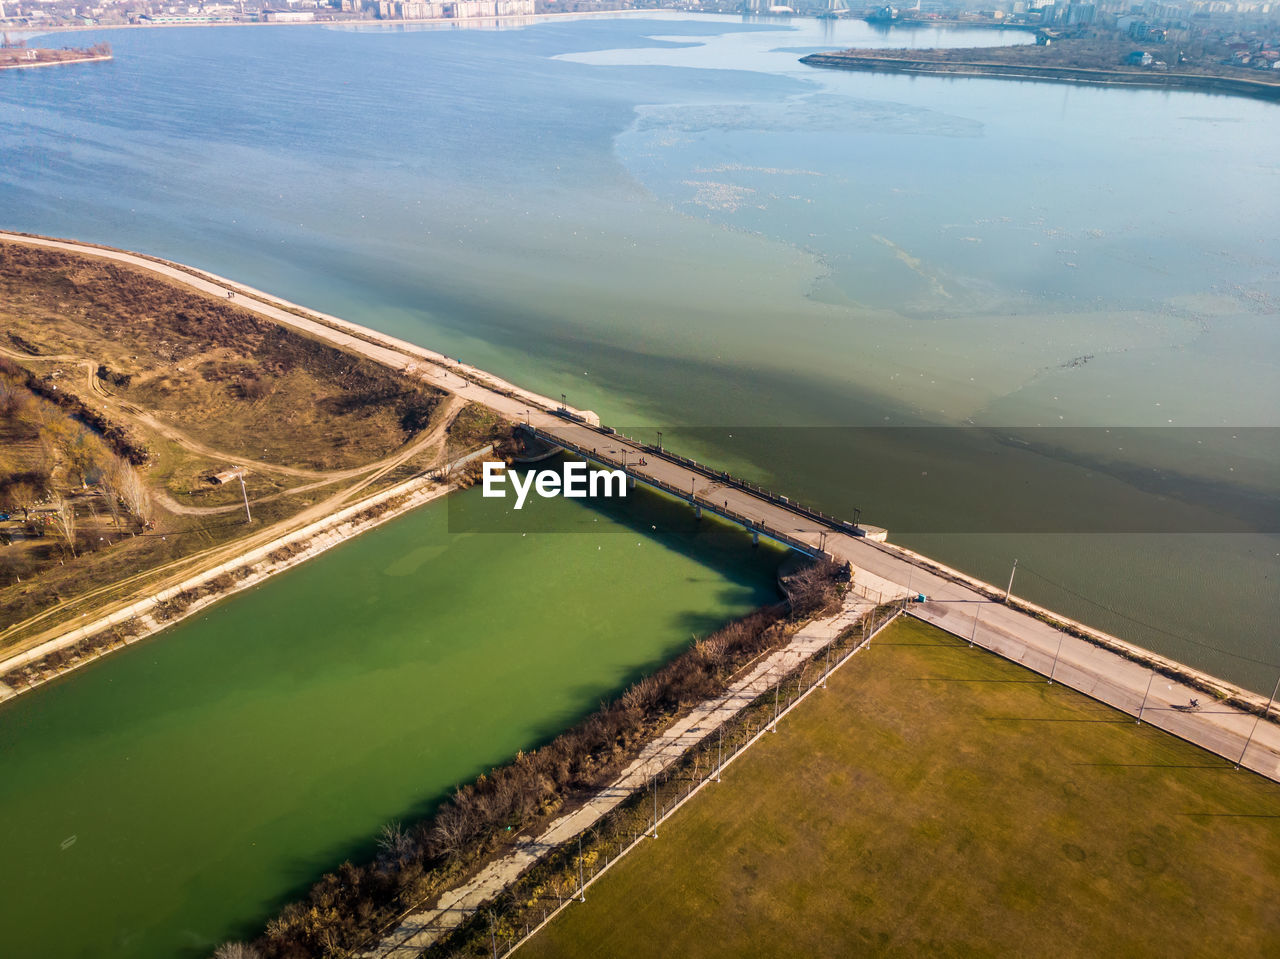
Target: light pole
<point>974,635</point>
<point>1257,720</point>
<point>582,889</point>
<point>1141,708</point>
<point>654,781</point>
<point>659,441</point>
<point>243,492</point>
<point>1009,589</point>
<point>1054,668</point>
<point>564,401</point>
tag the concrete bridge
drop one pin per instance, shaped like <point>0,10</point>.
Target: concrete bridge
<point>1148,686</point>
<point>757,510</point>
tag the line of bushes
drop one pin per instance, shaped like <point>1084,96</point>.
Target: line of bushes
<point>348,909</point>
<point>68,656</point>
<point>555,878</point>
<point>122,442</point>
<point>121,633</point>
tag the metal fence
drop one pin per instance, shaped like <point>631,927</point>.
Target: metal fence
<point>739,518</point>
<point>565,874</point>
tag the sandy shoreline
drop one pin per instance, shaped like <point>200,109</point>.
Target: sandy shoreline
<point>52,63</point>
<point>301,544</point>
<point>443,372</point>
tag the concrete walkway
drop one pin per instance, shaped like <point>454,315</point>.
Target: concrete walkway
<point>420,929</point>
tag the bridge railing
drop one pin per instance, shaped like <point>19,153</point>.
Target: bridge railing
<point>721,476</point>
<point>733,515</point>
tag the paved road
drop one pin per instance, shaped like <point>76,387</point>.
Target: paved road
<point>888,572</point>
<point>878,568</point>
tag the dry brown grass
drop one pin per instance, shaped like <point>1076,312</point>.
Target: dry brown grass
<point>108,358</point>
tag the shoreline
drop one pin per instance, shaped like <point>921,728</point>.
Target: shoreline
<point>1080,76</point>
<point>443,372</point>
<point>53,63</point>
<point>422,925</point>
<point>258,565</point>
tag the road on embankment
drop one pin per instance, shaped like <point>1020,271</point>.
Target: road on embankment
<point>1101,666</point>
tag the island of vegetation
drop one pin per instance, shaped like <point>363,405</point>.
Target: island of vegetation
<point>16,55</point>
<point>1091,58</point>
<point>150,433</point>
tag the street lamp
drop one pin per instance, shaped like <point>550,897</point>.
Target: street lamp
<point>564,401</point>
<point>659,441</point>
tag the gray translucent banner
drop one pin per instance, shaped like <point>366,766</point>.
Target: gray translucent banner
<point>934,479</point>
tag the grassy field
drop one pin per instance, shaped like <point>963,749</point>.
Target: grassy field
<point>937,800</point>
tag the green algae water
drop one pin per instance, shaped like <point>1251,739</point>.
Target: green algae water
<point>178,792</point>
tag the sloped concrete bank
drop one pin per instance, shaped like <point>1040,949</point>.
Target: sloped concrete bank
<point>159,610</point>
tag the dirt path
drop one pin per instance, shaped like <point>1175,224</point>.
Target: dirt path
<point>449,410</point>
<point>161,577</point>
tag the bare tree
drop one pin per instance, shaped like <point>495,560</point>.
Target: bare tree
<point>64,520</point>
<point>22,495</point>
<point>113,500</point>
<point>124,482</point>
<point>396,843</point>
<point>236,950</point>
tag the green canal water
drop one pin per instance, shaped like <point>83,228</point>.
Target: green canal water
<point>177,793</point>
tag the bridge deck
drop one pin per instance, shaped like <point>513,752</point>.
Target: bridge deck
<point>961,606</point>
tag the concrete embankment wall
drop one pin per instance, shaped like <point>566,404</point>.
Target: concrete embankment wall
<point>1048,74</point>
<point>315,537</point>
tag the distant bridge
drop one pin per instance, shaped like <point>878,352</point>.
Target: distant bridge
<point>759,511</point>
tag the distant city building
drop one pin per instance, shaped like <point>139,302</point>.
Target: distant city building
<point>454,9</point>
